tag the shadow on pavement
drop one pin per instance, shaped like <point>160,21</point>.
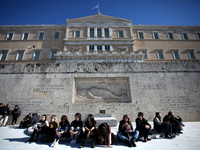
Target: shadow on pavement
<point>17,139</point>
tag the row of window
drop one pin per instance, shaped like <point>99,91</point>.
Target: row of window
<point>25,35</point>
<point>99,48</point>
<point>175,53</point>
<point>20,55</point>
<point>170,35</point>
<point>98,32</point>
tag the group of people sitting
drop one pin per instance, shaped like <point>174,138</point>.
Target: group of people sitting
<point>102,135</point>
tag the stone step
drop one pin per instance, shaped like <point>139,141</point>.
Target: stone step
<point>109,119</point>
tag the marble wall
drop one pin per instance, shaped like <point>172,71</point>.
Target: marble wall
<point>117,88</point>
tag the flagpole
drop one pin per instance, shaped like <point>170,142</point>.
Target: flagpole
<point>98,8</point>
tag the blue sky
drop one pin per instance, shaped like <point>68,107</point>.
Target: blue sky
<point>146,12</point>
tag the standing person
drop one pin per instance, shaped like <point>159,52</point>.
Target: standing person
<point>161,127</point>
<point>76,128</point>
<point>16,113</point>
<point>53,124</point>
<point>90,130</point>
<point>143,126</point>
<point>1,114</point>
<point>39,128</point>
<point>104,135</point>
<point>62,128</point>
<point>126,132</point>
<point>6,113</point>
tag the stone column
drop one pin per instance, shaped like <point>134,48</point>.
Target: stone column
<point>66,34</point>
<point>103,32</point>
<point>110,34</point>
<point>88,32</point>
<point>95,48</point>
<point>88,48</point>
<point>131,33</point>
<point>111,48</point>
<point>103,48</point>
<point>95,32</point>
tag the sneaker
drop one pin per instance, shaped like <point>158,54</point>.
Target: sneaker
<point>56,144</point>
<point>52,145</point>
<point>168,137</point>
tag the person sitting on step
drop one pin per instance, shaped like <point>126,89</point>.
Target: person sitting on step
<point>62,128</point>
<point>39,128</point>
<point>126,132</point>
<point>76,128</point>
<point>90,130</point>
<point>143,126</point>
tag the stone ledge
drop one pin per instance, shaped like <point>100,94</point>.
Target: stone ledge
<point>103,67</point>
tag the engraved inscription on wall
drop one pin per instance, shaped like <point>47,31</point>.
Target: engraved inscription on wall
<point>181,103</point>
<point>97,90</point>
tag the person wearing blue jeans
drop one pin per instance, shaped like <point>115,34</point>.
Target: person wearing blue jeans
<point>126,132</point>
<point>62,128</point>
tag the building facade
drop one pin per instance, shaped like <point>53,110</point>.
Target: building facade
<point>99,35</point>
<point>89,66</point>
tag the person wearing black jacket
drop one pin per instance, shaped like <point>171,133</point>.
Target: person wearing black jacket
<point>26,121</point>
<point>90,130</point>
<point>16,113</point>
<point>76,128</point>
<point>143,127</point>
<point>6,113</point>
<point>162,127</point>
<point>173,121</point>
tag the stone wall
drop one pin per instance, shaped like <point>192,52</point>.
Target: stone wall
<point>148,87</point>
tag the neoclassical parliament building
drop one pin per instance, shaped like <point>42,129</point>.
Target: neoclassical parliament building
<point>99,37</point>
<point>101,64</point>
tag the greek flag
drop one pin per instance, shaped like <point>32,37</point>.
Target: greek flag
<point>95,7</point>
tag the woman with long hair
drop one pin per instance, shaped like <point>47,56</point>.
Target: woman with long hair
<point>90,130</point>
<point>39,128</point>
<point>62,128</point>
<point>126,132</point>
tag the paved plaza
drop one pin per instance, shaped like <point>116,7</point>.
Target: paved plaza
<point>13,138</point>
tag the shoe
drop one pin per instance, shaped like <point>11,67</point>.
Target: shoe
<point>133,142</point>
<point>148,139</point>
<point>128,142</point>
<point>53,144</point>
<point>82,145</point>
<point>180,132</point>
<point>56,144</point>
<point>168,137</point>
<point>29,140</point>
<point>173,135</point>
